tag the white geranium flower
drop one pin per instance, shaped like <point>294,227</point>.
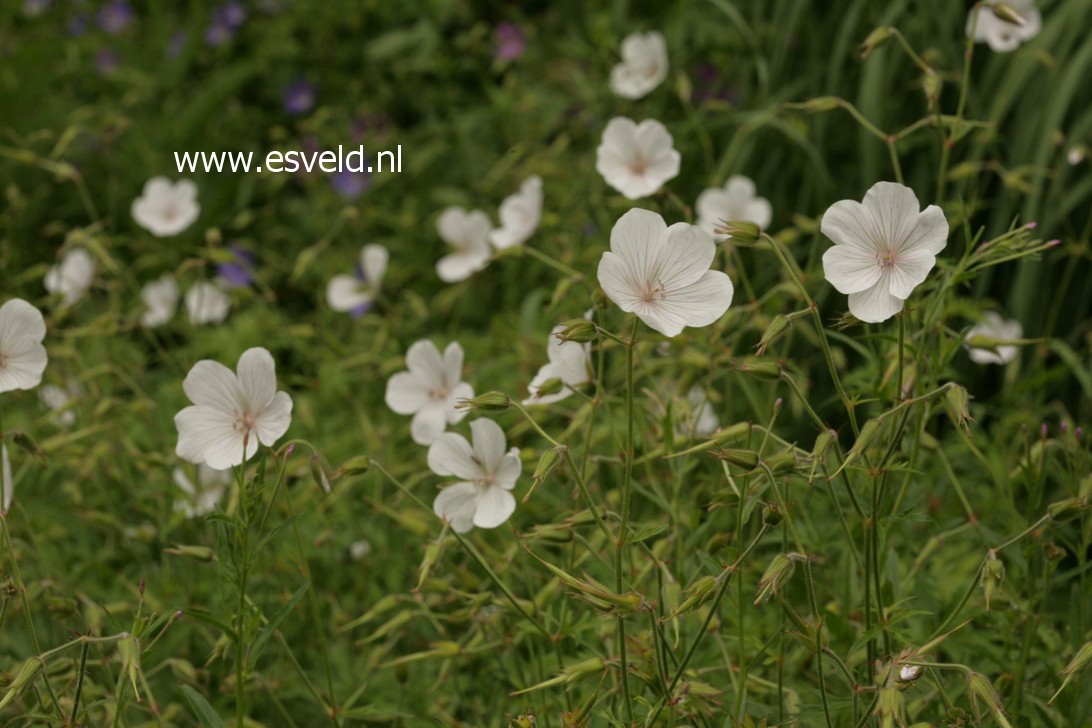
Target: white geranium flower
<point>201,499</point>
<point>995,327</point>
<point>643,66</point>
<point>909,673</point>
<point>359,549</point>
<point>7,481</point>
<point>355,293</point>
<point>468,233</point>
<point>483,496</point>
<point>636,159</point>
<point>883,248</point>
<point>430,389</point>
<point>735,202</point>
<point>568,361</point>
<point>160,299</point>
<point>207,303</point>
<point>72,276</point>
<point>165,208</point>
<point>520,214</point>
<point>22,356</point>
<point>662,273</point>
<point>1001,35</point>
<point>58,400</point>
<point>702,421</point>
<point>230,410</point>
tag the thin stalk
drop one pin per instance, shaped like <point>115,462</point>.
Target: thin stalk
<point>623,534</point>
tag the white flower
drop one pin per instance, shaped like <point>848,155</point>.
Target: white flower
<point>430,389</point>
<point>643,66</point>
<point>483,496</point>
<point>636,159</point>
<point>995,327</point>
<point>909,673</point>
<point>568,361</point>
<point>359,549</point>
<point>520,214</point>
<point>1001,35</point>
<point>58,400</point>
<point>22,356</point>
<point>356,292</point>
<point>165,208</point>
<point>702,421</point>
<point>72,276</point>
<point>468,233</point>
<point>883,248</point>
<point>662,273</point>
<point>203,498</point>
<point>207,303</point>
<point>735,202</point>
<point>230,409</point>
<point>160,299</point>
<point>7,482</point>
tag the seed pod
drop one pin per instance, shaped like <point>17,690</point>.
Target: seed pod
<point>738,431</point>
<point>746,459</point>
<point>129,652</point>
<point>26,675</point>
<point>931,84</point>
<point>760,368</point>
<point>739,231</point>
<point>776,576</point>
<point>580,330</point>
<point>318,473</point>
<point>772,515</point>
<point>356,465</point>
<point>1068,509</point>
<point>697,594</point>
<point>822,103</point>
<point>823,442</point>
<point>992,575</point>
<point>874,40</point>
<point>1080,661</point>
<point>781,462</point>
<point>493,402</point>
<point>983,691</point>
<point>778,326</point>
<point>1008,13</point>
<point>867,436</point>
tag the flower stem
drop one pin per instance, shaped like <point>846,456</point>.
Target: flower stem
<point>623,535</point>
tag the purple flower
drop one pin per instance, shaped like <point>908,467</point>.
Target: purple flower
<point>298,97</point>
<point>232,14</point>
<point>709,86</point>
<point>350,185</point>
<point>115,16</point>
<point>218,34</point>
<point>176,44</point>
<point>510,41</point>
<point>77,25</point>
<point>239,273</point>
<point>107,61</point>
<point>358,311</point>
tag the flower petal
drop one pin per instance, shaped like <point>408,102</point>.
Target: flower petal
<point>257,378</point>
<point>344,293</point>
<point>489,444</point>
<point>508,472</point>
<point>406,393</point>
<point>851,268</point>
<point>211,384</point>
<point>428,423</point>
<point>909,270</point>
<point>20,319</point>
<point>495,505</point>
<point>273,421</point>
<point>423,360</point>
<point>373,261</point>
<point>699,304</point>
<point>684,257</point>
<point>895,209</point>
<point>929,234</point>
<point>848,222</point>
<point>875,304</point>
<point>454,413</point>
<point>457,504</point>
<point>208,435</point>
<point>451,454</point>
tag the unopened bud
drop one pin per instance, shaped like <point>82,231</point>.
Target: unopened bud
<point>580,330</point>
<point>993,573</point>
<point>874,40</point>
<point>760,368</point>
<point>1068,509</point>
<point>822,103</point>
<point>488,402</point>
<point>26,675</point>
<point>982,691</point>
<point>697,594</point>
<point>199,553</point>
<point>1008,13</point>
<point>740,231</point>
<point>746,459</point>
<point>867,436</point>
<point>356,465</point>
<point>778,326</point>
<point>319,474</point>
<point>931,84</point>
<point>777,574</point>
<point>956,401</point>
<point>782,462</point>
<point>772,515</point>
<point>1081,660</point>
<point>129,652</point>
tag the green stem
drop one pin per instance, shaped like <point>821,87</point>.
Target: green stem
<point>623,534</point>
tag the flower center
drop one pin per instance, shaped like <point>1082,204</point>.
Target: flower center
<point>638,166</point>
<point>650,294</point>
<point>244,422</point>
<point>169,213</point>
<point>438,393</point>
<point>886,260</point>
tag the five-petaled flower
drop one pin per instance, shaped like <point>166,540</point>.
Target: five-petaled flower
<point>160,299</point>
<point>207,303</point>
<point>22,356</point>
<point>356,293</point>
<point>202,498</point>
<point>430,389</point>
<point>636,159</point>
<point>487,473</point>
<point>994,327</point>
<point>643,66</point>
<point>165,208</point>
<point>736,201</point>
<point>568,362</point>
<point>520,214</point>
<point>883,248</point>
<point>231,410</point>
<point>72,277</point>
<point>1001,35</point>
<point>662,273</point>
<point>468,233</point>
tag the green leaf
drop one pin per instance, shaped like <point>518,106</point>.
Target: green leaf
<point>274,623</point>
<point>209,618</point>
<point>201,708</point>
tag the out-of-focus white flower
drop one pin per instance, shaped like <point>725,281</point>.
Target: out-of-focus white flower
<point>72,276</point>
<point>636,159</point>
<point>643,66</point>
<point>520,214</point>
<point>702,421</point>
<point>207,303</point>
<point>58,400</point>
<point>1001,35</point>
<point>909,673</point>
<point>734,202</point>
<point>882,249</point>
<point>487,475</point>
<point>165,208</point>
<point>662,273</point>
<point>359,549</point>
<point>160,299</point>
<point>355,293</point>
<point>1076,155</point>
<point>201,499</point>
<point>231,409</point>
<point>22,356</point>
<point>995,327</point>
<point>7,482</point>
<point>468,233</point>
<point>430,389</point>
<point>567,361</point>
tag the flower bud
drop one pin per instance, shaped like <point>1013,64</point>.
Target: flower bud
<point>983,691</point>
<point>782,462</point>
<point>778,326</point>
<point>1068,509</point>
<point>319,474</point>
<point>760,368</point>
<point>740,231</point>
<point>993,573</point>
<point>772,515</point>
<point>199,553</point>
<point>550,386</point>
<point>580,330</point>
<point>874,40</point>
<point>888,706</point>
<point>1008,13</point>
<point>523,720</point>
<point>489,402</point>
<point>867,436</point>
<point>777,574</point>
<point>1080,661</point>
<point>956,401</point>
<point>697,594</point>
<point>823,442</point>
<point>129,652</point>
<point>26,675</point>
<point>908,673</point>
<point>738,431</point>
<point>746,459</point>
<point>931,84</point>
<point>355,465</point>
<point>27,444</point>
<point>822,103</point>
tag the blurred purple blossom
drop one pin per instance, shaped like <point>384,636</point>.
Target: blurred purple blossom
<point>107,61</point>
<point>510,41</point>
<point>298,97</point>
<point>115,16</point>
<point>218,34</point>
<point>176,44</point>
<point>77,24</point>
<point>709,86</point>
<point>358,311</point>
<point>350,185</point>
<point>231,13</point>
<point>239,273</point>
